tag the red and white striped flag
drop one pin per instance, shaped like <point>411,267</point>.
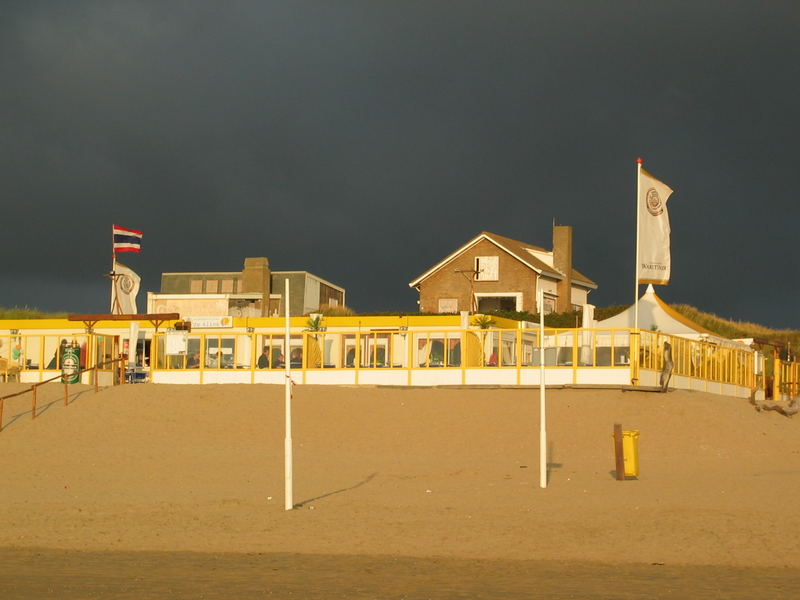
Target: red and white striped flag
<point>127,240</point>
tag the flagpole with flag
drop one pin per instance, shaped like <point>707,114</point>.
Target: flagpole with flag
<point>636,269</point>
<point>652,245</point>
<point>123,240</point>
<point>653,262</point>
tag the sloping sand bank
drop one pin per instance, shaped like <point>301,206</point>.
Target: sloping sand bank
<point>403,472</point>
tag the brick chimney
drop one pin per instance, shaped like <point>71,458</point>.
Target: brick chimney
<point>562,261</point>
<point>256,279</point>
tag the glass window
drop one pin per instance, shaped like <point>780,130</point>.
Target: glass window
<point>530,348</point>
<point>227,351</point>
<point>422,349</point>
<point>491,348</point>
<point>586,349</point>
<point>196,286</point>
<point>52,345</point>
<point>296,352</point>
<point>330,354</point>
<point>192,352</point>
<point>212,286</point>
<point>508,348</point>
<point>399,350</point>
<point>213,355</point>
<point>622,348</point>
<point>453,357</point>
<point>244,351</point>
<point>226,286</point>
<point>271,355</point>
<point>603,348</point>
<point>349,350</point>
<point>32,351</point>
<point>376,350</point>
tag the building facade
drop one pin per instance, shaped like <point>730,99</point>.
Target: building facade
<point>493,272</point>
<point>255,291</point>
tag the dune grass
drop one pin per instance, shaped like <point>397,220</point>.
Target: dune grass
<point>26,312</point>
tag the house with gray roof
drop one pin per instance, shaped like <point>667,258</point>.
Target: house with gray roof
<point>493,272</point>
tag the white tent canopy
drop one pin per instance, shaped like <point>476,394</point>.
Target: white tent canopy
<point>656,315</point>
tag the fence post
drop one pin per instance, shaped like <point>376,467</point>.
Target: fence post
<point>66,394</point>
<point>634,357</point>
<point>33,403</point>
<point>96,382</point>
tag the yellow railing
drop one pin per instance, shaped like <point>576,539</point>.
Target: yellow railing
<point>403,349</point>
<point>698,359</point>
<point>37,352</point>
<point>786,379</point>
<point>463,349</point>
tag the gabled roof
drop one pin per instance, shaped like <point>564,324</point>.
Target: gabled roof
<point>520,250</point>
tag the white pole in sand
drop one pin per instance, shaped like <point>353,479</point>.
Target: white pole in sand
<point>542,422</point>
<point>636,270</point>
<point>287,443</point>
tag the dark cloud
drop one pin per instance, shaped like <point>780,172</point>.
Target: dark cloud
<point>364,141</point>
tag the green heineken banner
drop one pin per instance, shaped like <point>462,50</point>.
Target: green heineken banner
<point>70,363</point>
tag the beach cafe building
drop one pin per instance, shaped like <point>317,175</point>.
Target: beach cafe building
<point>378,350</point>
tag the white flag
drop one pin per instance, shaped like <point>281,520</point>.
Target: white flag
<point>654,258</point>
<point>124,287</point>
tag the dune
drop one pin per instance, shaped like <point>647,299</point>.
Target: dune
<point>431,472</point>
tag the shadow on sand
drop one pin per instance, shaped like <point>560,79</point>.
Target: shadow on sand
<point>347,489</point>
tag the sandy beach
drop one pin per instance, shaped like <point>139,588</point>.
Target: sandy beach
<point>390,472</point>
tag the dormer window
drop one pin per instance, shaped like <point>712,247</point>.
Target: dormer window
<point>486,268</point>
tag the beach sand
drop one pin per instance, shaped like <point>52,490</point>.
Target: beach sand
<point>445,473</point>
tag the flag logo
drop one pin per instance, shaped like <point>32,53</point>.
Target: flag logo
<point>654,204</point>
<point>126,283</point>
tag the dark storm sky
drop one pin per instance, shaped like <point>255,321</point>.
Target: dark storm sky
<point>365,140</point>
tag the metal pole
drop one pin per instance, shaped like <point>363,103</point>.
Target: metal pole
<point>542,407</point>
<point>636,269</point>
<point>287,444</point>
<point>635,333</point>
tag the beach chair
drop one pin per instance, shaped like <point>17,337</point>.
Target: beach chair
<point>8,371</point>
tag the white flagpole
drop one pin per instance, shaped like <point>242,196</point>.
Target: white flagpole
<point>636,269</point>
<point>113,276</point>
<point>542,411</point>
<point>287,443</point>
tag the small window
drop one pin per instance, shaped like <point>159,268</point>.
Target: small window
<point>211,286</point>
<point>227,286</point>
<point>486,268</point>
<point>448,305</point>
<point>196,286</point>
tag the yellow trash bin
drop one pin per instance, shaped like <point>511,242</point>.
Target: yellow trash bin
<point>630,451</point>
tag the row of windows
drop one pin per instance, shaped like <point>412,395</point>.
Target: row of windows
<point>490,348</point>
<point>213,286</point>
<point>511,301</point>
